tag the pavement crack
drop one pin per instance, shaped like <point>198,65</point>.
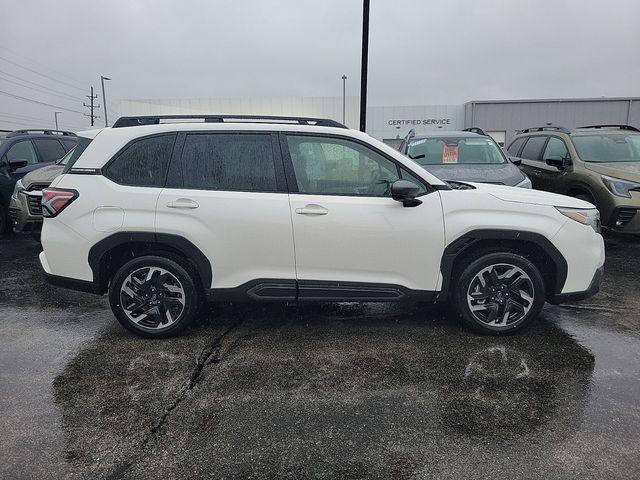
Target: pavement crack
<point>212,353</point>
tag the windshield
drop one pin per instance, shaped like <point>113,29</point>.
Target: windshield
<point>65,159</point>
<point>455,150</point>
<point>604,147</point>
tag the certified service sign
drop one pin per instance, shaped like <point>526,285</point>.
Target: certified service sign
<point>415,122</point>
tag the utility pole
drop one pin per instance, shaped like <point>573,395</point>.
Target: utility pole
<point>92,106</point>
<point>104,100</point>
<point>364,65</point>
<point>55,115</point>
<point>344,98</point>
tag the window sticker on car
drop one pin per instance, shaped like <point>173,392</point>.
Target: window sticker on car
<point>450,154</point>
<point>418,142</point>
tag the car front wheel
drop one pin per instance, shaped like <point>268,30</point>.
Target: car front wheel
<point>499,293</point>
<point>154,296</point>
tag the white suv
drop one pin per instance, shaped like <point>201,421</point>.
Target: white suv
<point>163,215</point>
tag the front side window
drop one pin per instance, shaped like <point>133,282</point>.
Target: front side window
<point>608,147</point>
<point>336,166</point>
<point>22,151</point>
<point>533,148</point>
<point>555,149</point>
<point>50,149</point>
<point>455,150</point>
<point>229,161</point>
<point>514,148</point>
<point>143,163</point>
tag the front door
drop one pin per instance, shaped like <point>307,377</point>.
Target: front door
<point>551,177</point>
<point>347,228</point>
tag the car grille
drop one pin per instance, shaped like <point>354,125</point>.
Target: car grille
<point>35,204</point>
<point>37,187</point>
<point>625,215</point>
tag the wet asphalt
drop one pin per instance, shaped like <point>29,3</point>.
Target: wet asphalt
<point>317,391</point>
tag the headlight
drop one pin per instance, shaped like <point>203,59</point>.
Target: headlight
<point>526,183</point>
<point>620,188</point>
<point>589,216</point>
<point>17,189</point>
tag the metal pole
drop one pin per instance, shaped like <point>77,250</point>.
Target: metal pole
<point>344,98</point>
<point>364,65</point>
<point>104,100</point>
<point>55,114</point>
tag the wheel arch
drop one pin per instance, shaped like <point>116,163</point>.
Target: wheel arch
<point>106,256</point>
<point>534,246</point>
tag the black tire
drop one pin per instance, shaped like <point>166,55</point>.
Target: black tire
<point>500,295</point>
<point>155,300</point>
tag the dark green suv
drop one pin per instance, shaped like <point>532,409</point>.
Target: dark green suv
<point>597,163</point>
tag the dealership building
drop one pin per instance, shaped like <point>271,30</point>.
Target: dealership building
<point>499,118</point>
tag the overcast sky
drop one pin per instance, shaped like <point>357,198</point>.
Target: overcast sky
<point>421,51</point>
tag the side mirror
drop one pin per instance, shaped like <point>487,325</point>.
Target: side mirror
<point>17,163</point>
<point>515,161</point>
<point>405,191</point>
<point>557,161</point>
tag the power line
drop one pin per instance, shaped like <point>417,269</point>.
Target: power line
<point>39,73</point>
<point>37,84</point>
<point>38,102</point>
<point>66,97</point>
<point>31,120</point>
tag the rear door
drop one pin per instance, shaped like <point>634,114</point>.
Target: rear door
<point>226,194</point>
<point>347,228</point>
<point>531,156</point>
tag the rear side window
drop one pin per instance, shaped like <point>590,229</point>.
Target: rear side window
<point>532,149</point>
<point>49,149</point>
<point>229,161</point>
<point>143,163</point>
<point>514,148</point>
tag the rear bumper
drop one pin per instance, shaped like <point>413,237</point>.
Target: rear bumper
<point>594,287</point>
<point>72,284</point>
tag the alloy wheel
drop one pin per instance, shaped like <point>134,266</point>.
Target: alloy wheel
<point>500,295</point>
<point>152,298</point>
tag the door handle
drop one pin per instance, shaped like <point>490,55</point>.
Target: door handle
<point>312,209</point>
<point>183,203</point>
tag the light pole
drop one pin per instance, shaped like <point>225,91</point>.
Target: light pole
<point>104,100</point>
<point>364,64</point>
<point>344,97</point>
<point>55,115</point>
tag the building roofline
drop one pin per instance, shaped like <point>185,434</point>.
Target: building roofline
<point>556,100</point>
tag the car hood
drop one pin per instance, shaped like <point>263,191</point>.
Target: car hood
<point>42,175</point>
<point>502,173</point>
<point>535,197</point>
<point>624,170</point>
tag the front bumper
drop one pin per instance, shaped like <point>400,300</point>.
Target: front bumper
<point>594,287</point>
<point>25,212</point>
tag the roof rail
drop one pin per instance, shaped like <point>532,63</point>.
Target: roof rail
<point>477,130</point>
<point>155,120</point>
<point>556,128</point>
<point>27,131</point>
<point>620,127</point>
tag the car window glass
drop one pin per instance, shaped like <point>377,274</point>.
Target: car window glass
<point>50,149</point>
<point>532,148</point>
<point>514,148</point>
<point>406,175</point>
<point>68,143</point>
<point>22,151</point>
<point>555,148</point>
<point>229,161</point>
<point>455,150</point>
<point>334,166</point>
<point>608,148</point>
<point>82,144</point>
<point>143,163</point>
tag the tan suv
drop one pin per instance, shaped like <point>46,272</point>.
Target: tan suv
<point>598,163</point>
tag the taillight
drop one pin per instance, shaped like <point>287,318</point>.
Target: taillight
<point>54,200</point>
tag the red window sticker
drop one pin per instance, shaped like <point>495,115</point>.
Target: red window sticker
<point>450,154</point>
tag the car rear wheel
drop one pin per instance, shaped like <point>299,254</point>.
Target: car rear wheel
<point>499,293</point>
<point>154,296</point>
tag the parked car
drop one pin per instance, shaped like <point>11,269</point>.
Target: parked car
<point>469,155</point>
<point>22,151</point>
<point>25,208</point>
<point>599,164</point>
<point>163,215</point>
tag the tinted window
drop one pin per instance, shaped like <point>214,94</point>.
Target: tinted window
<point>229,161</point>
<point>555,148</point>
<point>49,149</point>
<point>454,150</point>
<point>514,148</point>
<point>332,166</point>
<point>68,143</point>
<point>77,151</point>
<point>533,147</point>
<point>143,163</point>
<point>22,151</point>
